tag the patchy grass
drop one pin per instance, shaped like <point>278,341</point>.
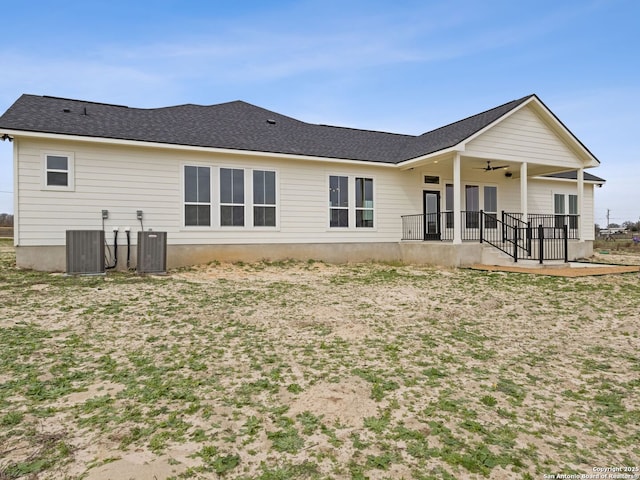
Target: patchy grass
<point>311,371</point>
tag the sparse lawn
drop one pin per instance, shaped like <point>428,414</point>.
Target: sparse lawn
<point>313,371</point>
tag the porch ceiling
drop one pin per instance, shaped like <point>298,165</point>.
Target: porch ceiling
<point>474,167</point>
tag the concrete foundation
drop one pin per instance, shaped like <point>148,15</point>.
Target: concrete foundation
<point>52,258</point>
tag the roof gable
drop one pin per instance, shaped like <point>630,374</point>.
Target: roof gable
<point>455,133</point>
<point>239,126</point>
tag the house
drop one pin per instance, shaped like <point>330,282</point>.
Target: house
<point>237,182</point>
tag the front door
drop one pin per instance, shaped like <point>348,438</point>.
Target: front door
<point>431,209</point>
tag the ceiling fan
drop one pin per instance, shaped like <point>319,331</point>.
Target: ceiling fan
<point>489,168</point>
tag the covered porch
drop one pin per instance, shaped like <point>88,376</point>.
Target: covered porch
<point>516,181</point>
<point>541,237</point>
<point>526,209</point>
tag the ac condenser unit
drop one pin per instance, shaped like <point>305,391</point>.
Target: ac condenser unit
<point>85,252</point>
<point>152,252</point>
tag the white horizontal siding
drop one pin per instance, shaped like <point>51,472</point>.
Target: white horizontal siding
<point>523,136</point>
<point>123,180</point>
<point>541,194</point>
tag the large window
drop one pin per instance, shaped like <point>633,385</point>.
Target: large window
<point>563,205</point>
<point>364,202</point>
<point>338,201</point>
<point>231,197</point>
<point>264,198</point>
<point>491,206</point>
<point>197,196</point>
<point>58,171</point>
<point>573,211</point>
<point>448,204</point>
<point>472,205</point>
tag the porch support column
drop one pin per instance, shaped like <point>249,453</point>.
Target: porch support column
<point>457,200</point>
<point>524,195</point>
<point>580,176</point>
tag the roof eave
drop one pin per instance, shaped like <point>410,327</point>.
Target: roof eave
<point>570,180</point>
<point>413,162</point>
<point>193,148</point>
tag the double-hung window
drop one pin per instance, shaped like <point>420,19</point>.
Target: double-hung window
<point>573,211</point>
<point>364,202</point>
<point>58,171</point>
<point>448,204</point>
<point>197,196</point>
<point>559,209</point>
<point>264,198</point>
<point>338,201</point>
<point>231,197</point>
<point>563,204</point>
<point>491,206</point>
<point>472,205</point>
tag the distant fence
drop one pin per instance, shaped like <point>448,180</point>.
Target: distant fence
<point>6,232</point>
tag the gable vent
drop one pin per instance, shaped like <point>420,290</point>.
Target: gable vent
<point>85,252</point>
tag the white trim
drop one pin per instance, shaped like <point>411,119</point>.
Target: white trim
<point>567,180</point>
<point>457,200</point>
<point>350,200</point>
<point>171,146</point>
<point>373,200</point>
<point>70,170</point>
<point>496,121</point>
<point>407,164</point>
<point>580,206</point>
<point>351,208</point>
<point>266,228</point>
<point>550,116</point>
<point>16,196</point>
<point>460,147</point>
<point>183,202</point>
<point>524,190</point>
<point>247,218</point>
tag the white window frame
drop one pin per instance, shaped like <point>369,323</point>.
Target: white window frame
<point>248,216</point>
<point>70,171</point>
<point>347,208</point>
<point>481,186</point>
<point>571,217</point>
<point>254,204</point>
<point>351,207</point>
<point>493,213</point>
<point>365,208</point>
<point>184,193</point>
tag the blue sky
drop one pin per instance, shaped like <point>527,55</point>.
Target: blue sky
<point>399,66</point>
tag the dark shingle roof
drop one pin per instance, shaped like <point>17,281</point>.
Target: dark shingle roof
<point>573,175</point>
<point>236,125</point>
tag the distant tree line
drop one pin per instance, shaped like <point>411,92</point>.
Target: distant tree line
<point>6,220</point>
<point>630,226</point>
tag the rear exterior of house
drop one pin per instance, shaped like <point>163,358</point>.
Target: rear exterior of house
<point>234,182</point>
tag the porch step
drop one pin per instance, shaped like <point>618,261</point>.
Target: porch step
<point>493,256</point>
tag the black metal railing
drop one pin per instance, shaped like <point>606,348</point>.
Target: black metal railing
<point>521,240</point>
<point>413,227</point>
<point>542,237</point>
<point>556,222</point>
<point>506,234</point>
<point>439,226</point>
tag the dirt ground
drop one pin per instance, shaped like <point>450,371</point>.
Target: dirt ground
<point>316,371</point>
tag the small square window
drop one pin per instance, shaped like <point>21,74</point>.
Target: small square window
<point>58,171</point>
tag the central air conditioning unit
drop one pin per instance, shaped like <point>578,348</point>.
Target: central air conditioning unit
<point>85,252</point>
<point>152,252</point>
